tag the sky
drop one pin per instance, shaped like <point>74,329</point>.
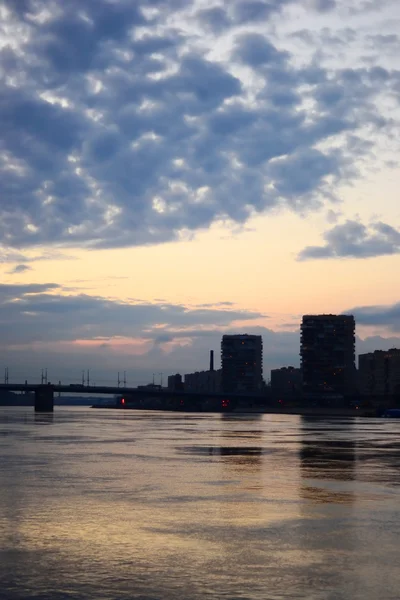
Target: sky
<point>173,170</point>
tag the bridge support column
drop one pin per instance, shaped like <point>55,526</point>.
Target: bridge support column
<point>44,399</point>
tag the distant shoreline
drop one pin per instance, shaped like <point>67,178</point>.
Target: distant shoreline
<point>314,411</point>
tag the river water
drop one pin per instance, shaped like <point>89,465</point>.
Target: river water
<point>113,505</point>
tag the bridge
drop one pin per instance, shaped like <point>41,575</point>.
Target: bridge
<point>44,393</point>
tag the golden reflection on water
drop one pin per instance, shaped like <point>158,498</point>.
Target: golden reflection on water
<point>192,506</point>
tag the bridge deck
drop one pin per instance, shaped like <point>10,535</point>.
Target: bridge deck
<point>114,390</point>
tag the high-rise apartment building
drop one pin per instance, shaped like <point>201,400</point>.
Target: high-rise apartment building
<point>327,353</point>
<point>241,359</point>
<point>379,373</point>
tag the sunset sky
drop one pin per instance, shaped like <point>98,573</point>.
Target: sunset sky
<point>172,170</point>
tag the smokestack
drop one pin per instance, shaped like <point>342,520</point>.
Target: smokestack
<point>211,360</point>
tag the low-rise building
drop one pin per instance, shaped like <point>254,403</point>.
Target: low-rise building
<point>175,382</point>
<point>286,382</point>
<point>203,381</point>
<point>379,373</point>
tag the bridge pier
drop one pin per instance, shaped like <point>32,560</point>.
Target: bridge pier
<point>44,399</point>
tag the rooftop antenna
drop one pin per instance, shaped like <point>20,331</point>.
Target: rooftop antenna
<point>42,378</point>
<point>118,379</point>
<point>88,378</point>
<point>124,379</point>
<point>45,376</point>
<point>6,375</point>
<point>161,378</point>
<point>83,377</point>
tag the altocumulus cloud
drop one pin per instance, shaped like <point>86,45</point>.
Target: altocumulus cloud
<point>353,239</point>
<point>120,129</point>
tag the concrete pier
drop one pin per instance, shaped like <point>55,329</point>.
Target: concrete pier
<point>44,399</point>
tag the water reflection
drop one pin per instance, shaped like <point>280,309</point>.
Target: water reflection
<point>326,532</point>
<point>329,457</point>
<point>44,418</point>
<point>235,451</point>
<point>147,505</point>
<point>234,446</point>
<point>243,446</point>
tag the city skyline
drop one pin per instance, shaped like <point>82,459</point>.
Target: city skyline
<point>215,367</point>
<point>174,172</point>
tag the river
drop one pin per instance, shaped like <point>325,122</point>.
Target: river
<point>114,505</point>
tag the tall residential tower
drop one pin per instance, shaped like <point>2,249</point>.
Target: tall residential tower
<point>328,355</point>
<point>241,359</point>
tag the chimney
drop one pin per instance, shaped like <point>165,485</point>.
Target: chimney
<point>211,360</point>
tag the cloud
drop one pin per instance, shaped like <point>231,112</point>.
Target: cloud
<point>19,269</point>
<point>323,6</point>
<point>352,239</point>
<point>367,6</point>
<point>10,256</point>
<point>215,19</point>
<point>379,39</point>
<point>120,128</point>
<point>377,342</point>
<point>255,11</point>
<point>256,50</point>
<point>225,303</point>
<point>386,316</point>
<point>332,216</point>
<point>37,312</point>
<point>17,292</point>
<point>219,19</point>
<point>64,331</point>
<point>7,256</point>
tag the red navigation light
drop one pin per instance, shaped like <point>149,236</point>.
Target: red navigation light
<point>122,401</point>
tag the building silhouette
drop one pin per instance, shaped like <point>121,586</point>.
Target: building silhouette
<point>174,382</point>
<point>241,359</point>
<point>286,383</point>
<point>327,353</point>
<point>204,381</point>
<point>379,373</point>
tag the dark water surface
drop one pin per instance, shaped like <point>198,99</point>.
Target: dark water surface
<point>107,505</point>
